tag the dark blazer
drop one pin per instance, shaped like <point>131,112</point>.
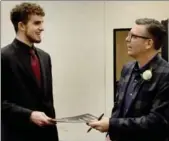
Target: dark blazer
<point>21,95</point>
<point>147,117</point>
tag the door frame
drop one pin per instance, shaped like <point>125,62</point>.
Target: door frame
<point>114,56</point>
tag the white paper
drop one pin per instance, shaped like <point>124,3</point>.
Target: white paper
<point>84,118</point>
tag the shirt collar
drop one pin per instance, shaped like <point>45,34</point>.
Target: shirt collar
<point>22,46</point>
<point>146,66</point>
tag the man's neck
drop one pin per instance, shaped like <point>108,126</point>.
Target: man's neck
<point>143,60</point>
<point>24,40</point>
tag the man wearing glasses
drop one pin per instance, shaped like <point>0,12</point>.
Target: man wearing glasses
<point>141,110</point>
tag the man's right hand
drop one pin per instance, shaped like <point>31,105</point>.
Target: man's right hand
<point>41,119</point>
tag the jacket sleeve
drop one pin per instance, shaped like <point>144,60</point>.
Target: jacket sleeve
<point>11,112</point>
<point>148,127</point>
<point>50,108</point>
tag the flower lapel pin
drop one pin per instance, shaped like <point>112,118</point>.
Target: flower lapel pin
<point>147,74</point>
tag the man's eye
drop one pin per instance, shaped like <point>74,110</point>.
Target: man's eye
<point>133,36</point>
<point>36,23</point>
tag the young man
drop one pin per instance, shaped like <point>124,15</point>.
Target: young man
<point>27,99</point>
<point>141,110</point>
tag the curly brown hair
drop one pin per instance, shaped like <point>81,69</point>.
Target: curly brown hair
<point>22,12</point>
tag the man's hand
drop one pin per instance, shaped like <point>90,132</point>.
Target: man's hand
<point>102,125</point>
<point>41,119</point>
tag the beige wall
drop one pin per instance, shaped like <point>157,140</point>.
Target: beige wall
<point>79,38</point>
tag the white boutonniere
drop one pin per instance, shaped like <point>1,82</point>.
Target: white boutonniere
<point>147,74</point>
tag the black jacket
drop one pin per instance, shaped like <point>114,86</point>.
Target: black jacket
<point>21,94</point>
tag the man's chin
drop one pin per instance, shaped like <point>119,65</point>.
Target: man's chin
<point>130,54</point>
<point>34,40</point>
<point>37,41</point>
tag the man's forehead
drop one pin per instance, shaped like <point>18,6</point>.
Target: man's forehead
<point>36,18</point>
<point>139,29</point>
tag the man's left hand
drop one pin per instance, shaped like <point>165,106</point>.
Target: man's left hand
<point>102,125</point>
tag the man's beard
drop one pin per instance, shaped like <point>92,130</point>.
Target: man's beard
<point>32,40</point>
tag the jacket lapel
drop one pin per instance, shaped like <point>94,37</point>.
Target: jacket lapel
<point>23,61</point>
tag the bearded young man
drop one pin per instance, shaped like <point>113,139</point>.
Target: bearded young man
<point>28,112</point>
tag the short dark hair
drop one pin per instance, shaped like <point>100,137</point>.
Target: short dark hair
<point>21,13</point>
<point>155,29</point>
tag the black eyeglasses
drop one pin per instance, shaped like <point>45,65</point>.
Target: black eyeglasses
<point>131,35</point>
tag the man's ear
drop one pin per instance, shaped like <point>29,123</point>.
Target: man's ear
<point>149,44</point>
<point>21,26</point>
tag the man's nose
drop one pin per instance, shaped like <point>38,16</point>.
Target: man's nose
<point>41,28</point>
<point>128,39</point>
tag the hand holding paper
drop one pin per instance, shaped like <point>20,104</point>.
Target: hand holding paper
<point>41,119</point>
<point>98,123</point>
<point>101,125</point>
<point>98,119</point>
